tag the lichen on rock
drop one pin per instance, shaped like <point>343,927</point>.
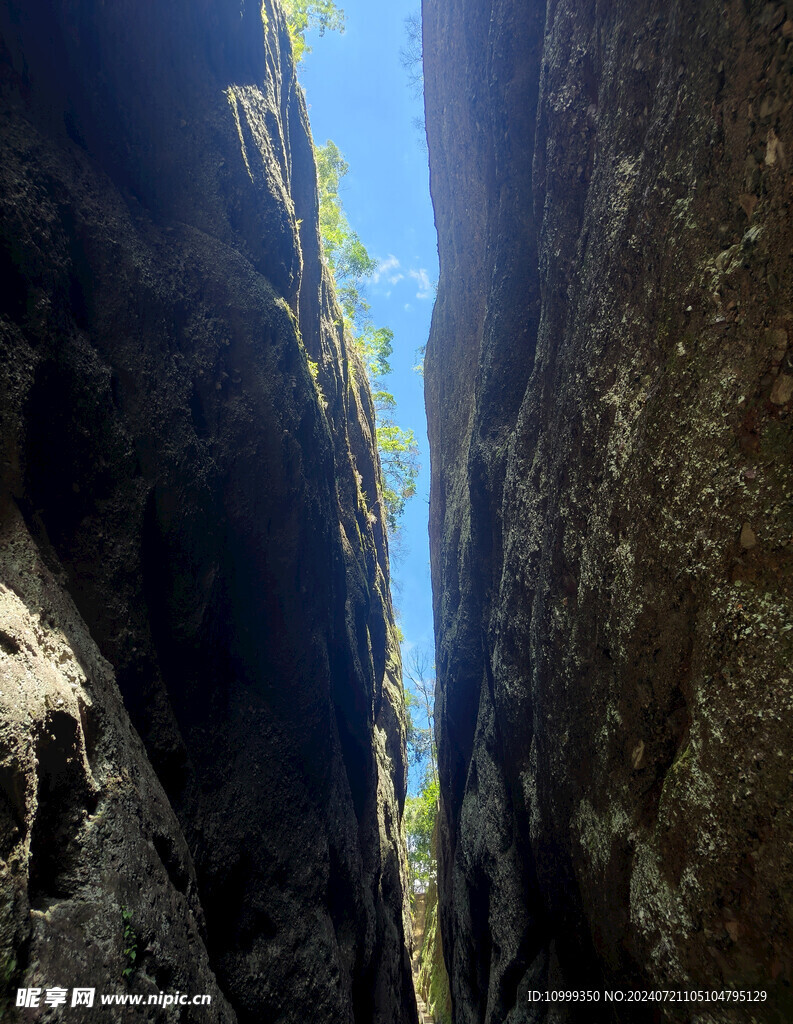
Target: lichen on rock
<point>610,511</point>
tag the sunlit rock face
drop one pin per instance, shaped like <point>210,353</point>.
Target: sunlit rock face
<point>609,382</point>
<point>186,446</point>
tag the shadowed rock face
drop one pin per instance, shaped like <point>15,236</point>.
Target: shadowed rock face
<point>188,501</point>
<point>609,385</point>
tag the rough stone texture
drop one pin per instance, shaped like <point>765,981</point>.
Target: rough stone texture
<point>87,830</point>
<point>189,443</point>
<point>611,518</point>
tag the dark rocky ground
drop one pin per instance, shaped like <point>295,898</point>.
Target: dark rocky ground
<point>186,553</point>
<point>609,383</point>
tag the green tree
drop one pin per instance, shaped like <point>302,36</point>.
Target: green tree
<point>351,265</point>
<point>422,677</point>
<point>345,252</point>
<point>412,53</point>
<point>420,814</point>
<point>419,739</point>
<point>302,15</point>
<point>421,832</point>
<point>421,810</point>
<point>412,57</point>
<point>399,461</point>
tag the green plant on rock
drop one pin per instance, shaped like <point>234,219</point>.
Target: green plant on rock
<point>421,809</point>
<point>433,981</point>
<point>302,15</point>
<point>313,369</point>
<point>342,247</point>
<point>130,942</point>
<point>351,265</point>
<point>399,460</point>
<point>421,812</point>
<point>421,831</point>
<point>8,966</point>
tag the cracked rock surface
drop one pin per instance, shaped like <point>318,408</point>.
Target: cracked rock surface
<point>187,553</point>
<point>611,431</point>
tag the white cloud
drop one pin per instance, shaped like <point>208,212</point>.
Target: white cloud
<point>425,287</point>
<point>408,308</point>
<point>389,272</point>
<point>386,269</point>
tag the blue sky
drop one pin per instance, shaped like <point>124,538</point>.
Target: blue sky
<point>358,95</point>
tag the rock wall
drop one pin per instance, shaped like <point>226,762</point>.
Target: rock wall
<point>187,446</point>
<point>609,380</point>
